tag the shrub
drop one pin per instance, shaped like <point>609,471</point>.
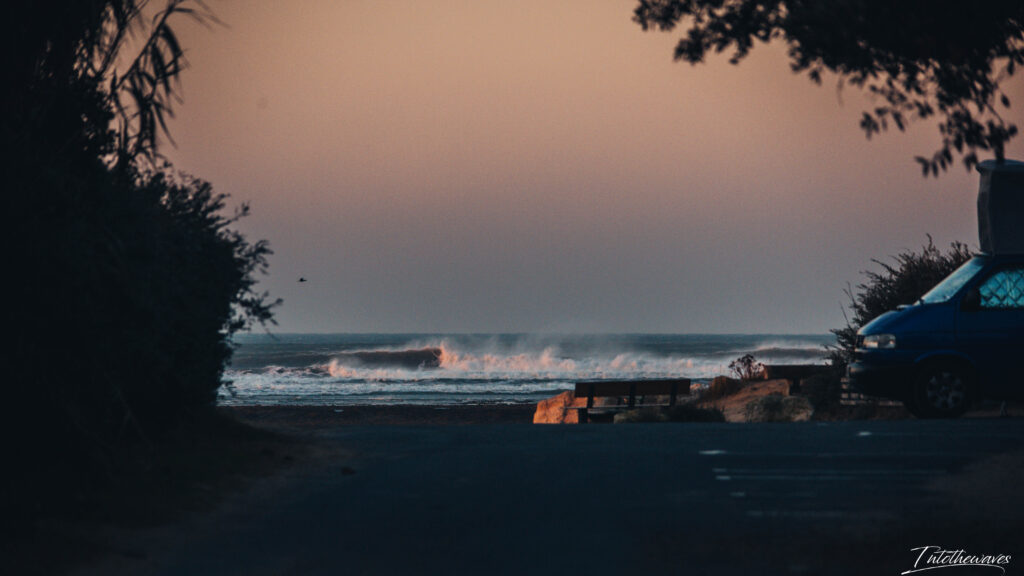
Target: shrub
<point>764,409</point>
<point>130,287</point>
<point>778,408</point>
<point>904,281</point>
<point>690,413</point>
<point>128,278</point>
<point>747,367</point>
<point>681,413</point>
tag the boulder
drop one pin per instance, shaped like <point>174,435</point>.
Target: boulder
<point>722,386</point>
<point>559,409</point>
<point>734,405</point>
<point>556,410</point>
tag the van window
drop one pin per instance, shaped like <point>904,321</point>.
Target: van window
<point>952,284</point>
<point>1004,289</point>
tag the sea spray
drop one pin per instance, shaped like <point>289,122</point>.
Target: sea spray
<point>452,369</point>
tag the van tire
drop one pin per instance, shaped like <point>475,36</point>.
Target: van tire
<point>941,390</point>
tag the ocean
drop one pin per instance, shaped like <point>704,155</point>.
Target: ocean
<point>384,369</point>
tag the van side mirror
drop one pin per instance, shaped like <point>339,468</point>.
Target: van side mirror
<point>971,301</point>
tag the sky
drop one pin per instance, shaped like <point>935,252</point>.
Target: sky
<point>534,166</point>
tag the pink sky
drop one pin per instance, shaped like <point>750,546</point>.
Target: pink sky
<point>490,166</point>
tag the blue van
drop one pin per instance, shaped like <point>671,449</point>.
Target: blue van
<point>964,339</point>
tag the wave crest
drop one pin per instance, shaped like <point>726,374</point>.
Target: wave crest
<point>496,363</point>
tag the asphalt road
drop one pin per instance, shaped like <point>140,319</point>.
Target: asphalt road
<point>837,498</point>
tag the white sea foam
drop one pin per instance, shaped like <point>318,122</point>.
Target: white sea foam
<point>472,369</point>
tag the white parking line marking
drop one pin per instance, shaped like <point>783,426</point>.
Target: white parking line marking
<point>828,472</point>
<point>960,435</point>
<point>791,478</point>
<point>834,455</point>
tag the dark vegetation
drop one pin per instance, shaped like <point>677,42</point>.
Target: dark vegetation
<point>909,275</point>
<point>747,367</point>
<point>691,413</point>
<point>919,59</point>
<point>770,408</point>
<point>127,278</point>
<point>902,280</point>
<point>824,392</point>
<point>680,413</point>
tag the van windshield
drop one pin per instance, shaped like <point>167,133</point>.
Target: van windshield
<point>954,282</point>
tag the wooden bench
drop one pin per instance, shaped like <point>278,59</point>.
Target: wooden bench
<point>631,390</point>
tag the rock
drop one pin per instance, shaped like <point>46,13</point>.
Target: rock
<point>778,408</point>
<point>559,410</point>
<point>722,386</point>
<point>734,405</point>
<point>556,410</point>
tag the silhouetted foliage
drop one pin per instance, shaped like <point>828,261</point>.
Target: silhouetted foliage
<point>126,50</point>
<point>746,367</point>
<point>910,276</point>
<point>128,279</point>
<point>919,58</point>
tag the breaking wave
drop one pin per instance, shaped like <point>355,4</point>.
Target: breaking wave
<point>344,369</point>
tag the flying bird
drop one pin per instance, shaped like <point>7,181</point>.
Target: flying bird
<point>301,279</point>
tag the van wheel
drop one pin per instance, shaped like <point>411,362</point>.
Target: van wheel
<point>941,391</point>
